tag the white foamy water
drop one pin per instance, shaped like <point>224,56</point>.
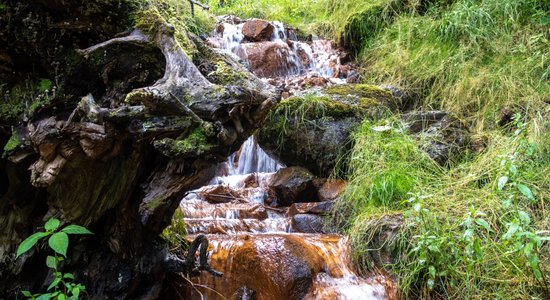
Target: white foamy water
<point>300,58</point>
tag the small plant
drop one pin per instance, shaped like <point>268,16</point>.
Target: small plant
<point>62,287</point>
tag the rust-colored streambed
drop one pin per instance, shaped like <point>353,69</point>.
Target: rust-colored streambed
<point>261,255</point>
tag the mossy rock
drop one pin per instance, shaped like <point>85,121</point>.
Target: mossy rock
<point>313,131</point>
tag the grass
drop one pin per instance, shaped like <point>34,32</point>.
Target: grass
<point>463,235</point>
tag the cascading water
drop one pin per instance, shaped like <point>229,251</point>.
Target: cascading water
<point>298,58</point>
<point>257,249</point>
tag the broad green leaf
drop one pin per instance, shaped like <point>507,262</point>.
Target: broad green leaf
<point>477,249</point>
<point>433,248</point>
<point>76,229</point>
<point>526,191</point>
<point>502,182</point>
<point>524,217</point>
<point>27,294</point>
<point>29,242</point>
<point>513,228</point>
<point>76,292</point>
<point>484,224</point>
<point>432,271</point>
<point>68,275</point>
<point>528,249</point>
<point>51,262</point>
<point>52,224</point>
<point>54,283</point>
<point>44,297</point>
<point>62,297</point>
<point>59,242</point>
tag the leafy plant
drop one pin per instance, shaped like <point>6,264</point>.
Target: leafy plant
<point>62,287</point>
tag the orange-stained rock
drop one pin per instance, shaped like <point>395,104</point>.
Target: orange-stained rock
<point>314,81</point>
<point>256,30</point>
<point>319,208</point>
<point>331,189</point>
<point>268,59</point>
<point>219,194</point>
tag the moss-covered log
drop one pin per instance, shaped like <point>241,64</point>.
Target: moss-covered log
<point>107,126</point>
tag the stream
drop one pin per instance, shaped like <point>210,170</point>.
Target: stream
<point>255,244</point>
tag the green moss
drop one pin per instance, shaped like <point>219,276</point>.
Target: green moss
<point>226,75</point>
<point>174,15</point>
<point>367,94</point>
<point>11,145</point>
<point>135,97</point>
<point>24,98</point>
<point>195,144</point>
<point>154,203</point>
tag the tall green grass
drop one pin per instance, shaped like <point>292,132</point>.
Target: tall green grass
<point>466,231</point>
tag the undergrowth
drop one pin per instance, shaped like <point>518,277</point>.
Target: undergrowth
<point>478,230</point>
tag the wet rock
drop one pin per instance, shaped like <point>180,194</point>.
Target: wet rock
<point>256,30</point>
<point>317,138</point>
<point>444,135</point>
<point>307,223</point>
<point>268,59</point>
<point>293,184</point>
<point>314,81</point>
<point>331,189</point>
<point>317,208</point>
<point>274,266</point>
<point>403,100</point>
<point>219,194</point>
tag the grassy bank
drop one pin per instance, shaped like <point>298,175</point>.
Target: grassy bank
<point>479,228</point>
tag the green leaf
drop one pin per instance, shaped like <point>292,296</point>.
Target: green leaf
<point>477,249</point>
<point>54,283</point>
<point>524,217</point>
<point>76,229</point>
<point>76,292</point>
<point>502,182</point>
<point>59,242</point>
<point>526,191</point>
<point>484,224</point>
<point>432,271</point>
<point>44,297</point>
<point>52,224</point>
<point>433,248</point>
<point>29,242</point>
<point>528,249</point>
<point>51,262</point>
<point>27,294</point>
<point>68,275</point>
<point>62,297</point>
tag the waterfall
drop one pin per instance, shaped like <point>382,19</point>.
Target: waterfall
<point>251,159</point>
<point>300,58</point>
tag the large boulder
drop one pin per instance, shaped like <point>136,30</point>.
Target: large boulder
<point>257,30</point>
<point>268,59</point>
<point>444,136</point>
<point>313,130</point>
<point>273,266</point>
<point>293,184</point>
<point>307,223</point>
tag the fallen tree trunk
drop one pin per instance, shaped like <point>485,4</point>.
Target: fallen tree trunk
<point>115,151</point>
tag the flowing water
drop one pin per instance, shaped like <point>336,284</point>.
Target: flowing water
<point>255,246</point>
<point>261,254</point>
<point>296,60</point>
